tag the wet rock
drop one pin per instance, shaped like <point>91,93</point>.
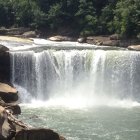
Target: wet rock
<point>31,34</point>
<point>14,109</point>
<point>4,65</point>
<point>3,48</point>
<point>60,38</point>
<point>134,47</point>
<point>7,93</point>
<point>37,134</point>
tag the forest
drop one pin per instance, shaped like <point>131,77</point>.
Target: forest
<point>84,17</point>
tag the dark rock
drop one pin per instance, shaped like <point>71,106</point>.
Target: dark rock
<point>3,31</point>
<point>14,109</point>
<point>3,48</point>
<point>81,40</point>
<point>7,93</point>
<point>4,65</point>
<point>37,134</point>
<point>31,34</point>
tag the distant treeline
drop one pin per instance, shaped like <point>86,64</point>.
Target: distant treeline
<point>86,17</point>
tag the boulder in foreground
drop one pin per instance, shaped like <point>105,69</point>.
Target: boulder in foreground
<point>13,129</point>
<point>37,134</point>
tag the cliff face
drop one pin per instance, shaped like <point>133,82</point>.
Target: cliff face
<point>4,65</point>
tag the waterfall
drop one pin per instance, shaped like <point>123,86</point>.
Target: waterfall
<point>78,75</point>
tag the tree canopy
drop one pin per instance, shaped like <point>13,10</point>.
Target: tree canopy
<point>86,17</point>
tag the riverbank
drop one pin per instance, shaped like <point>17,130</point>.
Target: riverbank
<point>102,40</point>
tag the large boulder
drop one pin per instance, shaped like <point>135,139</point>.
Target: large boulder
<point>37,134</point>
<point>7,93</point>
<point>60,38</point>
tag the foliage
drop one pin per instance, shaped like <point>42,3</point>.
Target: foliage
<point>127,18</point>
<point>87,17</point>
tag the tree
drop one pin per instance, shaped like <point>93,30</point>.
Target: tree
<point>86,17</point>
<point>126,19</point>
<point>6,13</point>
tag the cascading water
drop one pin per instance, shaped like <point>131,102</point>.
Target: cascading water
<point>83,94</point>
<point>84,77</point>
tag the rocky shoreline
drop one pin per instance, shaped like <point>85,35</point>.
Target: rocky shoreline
<point>13,129</point>
<point>102,40</point>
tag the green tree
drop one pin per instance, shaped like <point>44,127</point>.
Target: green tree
<point>86,17</point>
<point>127,18</point>
<point>106,18</point>
<point>6,13</point>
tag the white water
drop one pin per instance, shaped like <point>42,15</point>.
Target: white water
<point>77,78</point>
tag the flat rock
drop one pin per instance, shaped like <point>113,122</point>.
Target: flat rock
<point>8,93</point>
<point>15,39</point>
<point>134,47</point>
<point>60,38</point>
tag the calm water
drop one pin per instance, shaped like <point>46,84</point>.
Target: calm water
<point>95,123</point>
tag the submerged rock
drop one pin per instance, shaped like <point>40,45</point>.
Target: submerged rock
<point>7,93</point>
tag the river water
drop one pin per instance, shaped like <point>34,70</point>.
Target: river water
<point>95,123</point>
<point>82,92</point>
